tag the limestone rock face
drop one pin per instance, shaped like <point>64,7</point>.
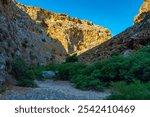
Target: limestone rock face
<point>144,10</point>
<point>41,37</point>
<point>133,38</point>
<point>75,35</point>
<point>21,36</point>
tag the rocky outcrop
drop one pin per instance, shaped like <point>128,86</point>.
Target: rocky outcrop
<point>75,35</point>
<point>21,36</point>
<point>145,8</point>
<point>133,38</point>
<point>41,37</point>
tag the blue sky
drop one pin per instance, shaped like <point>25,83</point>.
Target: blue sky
<point>115,15</point>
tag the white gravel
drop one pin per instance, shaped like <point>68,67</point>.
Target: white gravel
<point>52,90</point>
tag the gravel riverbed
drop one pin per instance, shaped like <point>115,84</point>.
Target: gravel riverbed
<point>52,90</point>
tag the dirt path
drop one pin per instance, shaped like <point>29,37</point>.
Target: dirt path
<point>51,90</point>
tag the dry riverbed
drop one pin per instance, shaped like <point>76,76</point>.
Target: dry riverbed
<point>52,90</point>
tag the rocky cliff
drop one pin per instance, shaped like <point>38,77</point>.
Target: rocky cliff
<point>41,37</point>
<point>133,38</point>
<point>21,36</point>
<point>75,35</point>
<point>145,8</point>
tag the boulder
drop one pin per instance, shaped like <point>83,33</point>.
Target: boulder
<point>48,74</point>
<point>127,53</point>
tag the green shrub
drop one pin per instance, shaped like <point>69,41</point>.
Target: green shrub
<point>87,70</point>
<point>19,67</point>
<point>2,89</point>
<point>32,56</point>
<point>26,83</point>
<point>145,49</point>
<point>66,70</point>
<point>132,91</point>
<point>109,70</point>
<point>77,73</point>
<point>115,53</point>
<point>134,67</point>
<point>92,76</point>
<point>20,71</point>
<point>35,72</point>
<point>87,83</point>
<point>71,59</point>
<point>117,68</point>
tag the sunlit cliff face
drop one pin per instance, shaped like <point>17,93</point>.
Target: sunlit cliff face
<point>143,12</point>
<point>145,7</point>
<point>74,34</point>
<point>133,38</point>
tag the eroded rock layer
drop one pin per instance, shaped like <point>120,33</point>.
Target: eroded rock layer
<point>21,36</point>
<point>133,38</point>
<point>75,35</point>
<point>145,8</point>
<point>42,37</point>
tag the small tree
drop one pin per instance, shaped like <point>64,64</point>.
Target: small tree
<point>20,71</point>
<point>71,59</point>
<point>19,67</point>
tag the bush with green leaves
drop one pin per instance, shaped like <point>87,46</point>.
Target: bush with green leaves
<point>117,68</point>
<point>2,89</point>
<point>87,83</point>
<point>138,67</point>
<point>133,91</point>
<point>66,70</point>
<point>26,82</point>
<point>145,49</point>
<point>93,76</point>
<point>36,72</point>
<point>71,59</point>
<point>20,71</point>
<point>109,70</point>
<point>77,73</point>
<point>87,70</point>
<point>134,67</point>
